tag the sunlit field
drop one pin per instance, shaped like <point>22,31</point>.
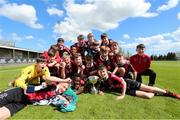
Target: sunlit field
<point>107,107</point>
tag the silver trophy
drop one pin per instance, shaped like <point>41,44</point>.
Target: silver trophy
<point>93,80</point>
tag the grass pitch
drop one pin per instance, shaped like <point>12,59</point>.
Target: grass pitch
<point>106,107</point>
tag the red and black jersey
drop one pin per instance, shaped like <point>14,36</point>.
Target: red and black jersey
<point>69,70</point>
<point>88,44</point>
<point>115,81</point>
<point>88,70</point>
<point>140,62</point>
<point>81,48</point>
<point>106,44</point>
<point>113,60</point>
<point>46,93</point>
<point>96,56</point>
<point>63,49</point>
<point>57,58</point>
<point>72,57</point>
<point>112,82</point>
<point>127,66</point>
<point>108,63</point>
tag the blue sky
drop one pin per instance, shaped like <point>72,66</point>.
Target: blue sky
<point>36,24</point>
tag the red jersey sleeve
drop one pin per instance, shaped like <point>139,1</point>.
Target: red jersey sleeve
<point>148,62</point>
<point>115,81</point>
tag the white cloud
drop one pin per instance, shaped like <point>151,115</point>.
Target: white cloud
<point>22,13</point>
<point>168,5</point>
<point>29,37</point>
<point>160,43</point>
<point>176,35</point>
<point>16,37</point>
<point>55,11</point>
<point>178,16</point>
<point>150,15</point>
<point>129,45</point>
<point>101,15</point>
<point>3,1</point>
<point>126,36</point>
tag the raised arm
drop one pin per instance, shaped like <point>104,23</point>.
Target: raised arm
<point>115,70</point>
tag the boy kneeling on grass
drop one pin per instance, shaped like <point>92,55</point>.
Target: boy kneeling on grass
<point>60,95</point>
<point>109,81</point>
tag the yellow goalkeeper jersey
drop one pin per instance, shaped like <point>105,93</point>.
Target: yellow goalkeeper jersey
<point>29,75</point>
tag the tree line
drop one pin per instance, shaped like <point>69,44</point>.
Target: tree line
<point>168,56</point>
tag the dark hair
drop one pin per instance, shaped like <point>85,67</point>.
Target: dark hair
<point>41,59</point>
<point>95,43</point>
<point>88,57</point>
<point>104,48</point>
<point>119,54</point>
<point>90,34</point>
<point>140,46</point>
<point>80,37</point>
<point>76,75</point>
<point>114,43</point>
<point>72,46</point>
<point>101,67</point>
<point>103,35</point>
<point>77,55</point>
<point>52,50</point>
<point>60,39</point>
<point>51,53</point>
<point>54,47</point>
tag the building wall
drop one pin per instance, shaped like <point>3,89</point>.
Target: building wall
<point>6,53</point>
<point>17,56</point>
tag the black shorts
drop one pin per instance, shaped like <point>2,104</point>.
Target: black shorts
<point>132,86</point>
<point>13,99</point>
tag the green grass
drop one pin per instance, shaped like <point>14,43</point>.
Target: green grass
<point>106,107</point>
